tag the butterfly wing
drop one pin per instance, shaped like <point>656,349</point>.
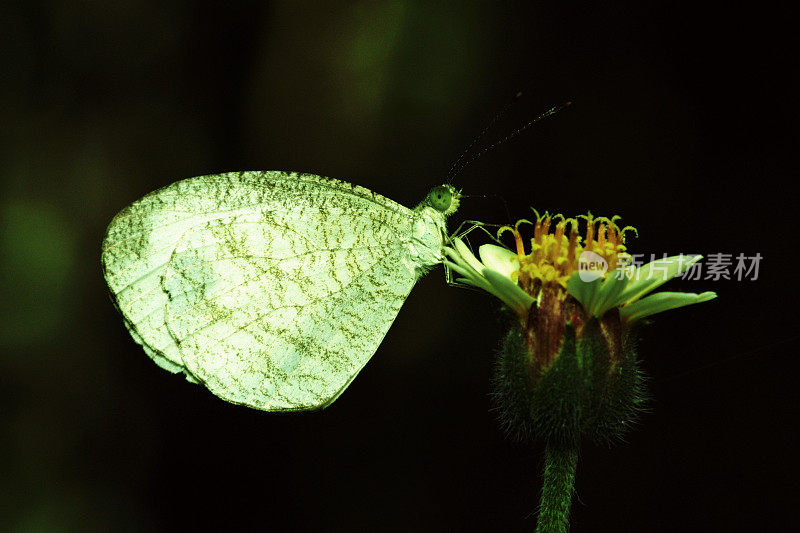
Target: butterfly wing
<point>273,289</point>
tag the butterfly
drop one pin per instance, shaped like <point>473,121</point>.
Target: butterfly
<point>273,289</point>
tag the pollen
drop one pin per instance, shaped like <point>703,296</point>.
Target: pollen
<point>557,243</point>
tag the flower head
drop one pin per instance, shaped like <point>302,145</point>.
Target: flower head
<point>567,368</point>
<point>594,269</point>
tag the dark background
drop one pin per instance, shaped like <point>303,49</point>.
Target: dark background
<point>684,122</point>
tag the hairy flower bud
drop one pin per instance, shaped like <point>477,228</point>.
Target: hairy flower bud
<point>563,376</point>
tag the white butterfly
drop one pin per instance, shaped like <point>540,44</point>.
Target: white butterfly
<point>273,289</point>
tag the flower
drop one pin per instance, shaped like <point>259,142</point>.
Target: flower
<point>568,368</point>
<point>519,279</point>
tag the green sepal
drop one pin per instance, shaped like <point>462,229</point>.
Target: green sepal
<point>587,392</point>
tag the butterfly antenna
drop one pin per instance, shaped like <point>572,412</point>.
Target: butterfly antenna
<point>453,171</point>
<point>478,155</point>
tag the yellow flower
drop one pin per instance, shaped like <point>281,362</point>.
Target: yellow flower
<point>593,268</point>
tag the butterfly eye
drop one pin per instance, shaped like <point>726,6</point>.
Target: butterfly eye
<point>440,198</point>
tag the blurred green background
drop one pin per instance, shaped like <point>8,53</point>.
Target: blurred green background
<point>683,121</point>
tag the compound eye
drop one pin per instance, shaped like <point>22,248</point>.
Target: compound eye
<point>440,198</point>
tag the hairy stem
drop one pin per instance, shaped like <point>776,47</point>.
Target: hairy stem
<point>559,481</point>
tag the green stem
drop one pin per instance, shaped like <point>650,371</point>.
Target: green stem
<point>559,480</point>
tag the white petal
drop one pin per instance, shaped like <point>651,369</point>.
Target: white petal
<point>662,301</point>
<point>649,277</point>
<point>470,275</point>
<point>467,255</point>
<point>499,259</point>
<point>608,294</point>
<point>476,279</point>
<point>583,291</point>
<point>508,291</point>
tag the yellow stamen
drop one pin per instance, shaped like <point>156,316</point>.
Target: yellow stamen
<point>554,256</point>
